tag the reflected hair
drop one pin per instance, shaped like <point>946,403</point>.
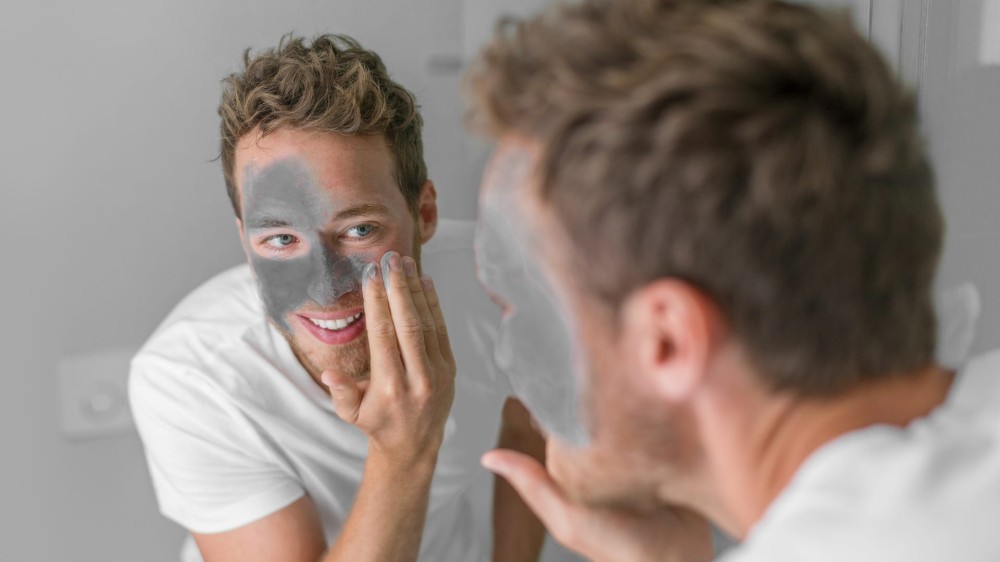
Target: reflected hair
<point>330,85</point>
<point>761,151</point>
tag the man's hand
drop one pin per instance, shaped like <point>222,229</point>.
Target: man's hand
<point>603,534</point>
<point>404,407</point>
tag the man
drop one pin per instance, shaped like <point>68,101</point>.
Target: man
<point>299,408</point>
<point>732,205</point>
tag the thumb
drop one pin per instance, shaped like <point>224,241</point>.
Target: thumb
<point>345,394</point>
<point>533,483</point>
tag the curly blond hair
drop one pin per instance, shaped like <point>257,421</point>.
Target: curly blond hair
<point>332,85</point>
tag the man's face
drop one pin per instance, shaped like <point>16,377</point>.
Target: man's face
<point>535,347</point>
<point>316,208</point>
<point>567,357</point>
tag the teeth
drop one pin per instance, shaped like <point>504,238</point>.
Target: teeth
<point>338,324</point>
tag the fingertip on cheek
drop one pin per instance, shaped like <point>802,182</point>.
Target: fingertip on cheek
<point>369,277</point>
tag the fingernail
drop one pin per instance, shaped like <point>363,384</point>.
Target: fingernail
<point>325,378</point>
<point>387,266</point>
<point>426,281</point>
<point>409,266</point>
<point>370,271</point>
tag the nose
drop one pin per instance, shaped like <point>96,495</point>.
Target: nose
<point>335,275</point>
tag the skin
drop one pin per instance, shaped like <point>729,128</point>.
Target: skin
<point>682,424</point>
<point>344,208</point>
<point>328,233</point>
<point>294,264</point>
<point>535,347</point>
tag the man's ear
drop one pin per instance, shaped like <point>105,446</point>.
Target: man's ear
<point>672,330</point>
<point>427,211</point>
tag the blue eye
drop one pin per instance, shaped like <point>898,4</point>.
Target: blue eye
<point>280,240</point>
<point>361,231</point>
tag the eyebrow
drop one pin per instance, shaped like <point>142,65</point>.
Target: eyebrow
<point>261,222</point>
<point>362,210</point>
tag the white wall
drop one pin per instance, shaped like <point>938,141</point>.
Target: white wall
<point>960,98</point>
<point>947,51</point>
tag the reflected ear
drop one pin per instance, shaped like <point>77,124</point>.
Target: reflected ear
<point>427,211</point>
<point>672,330</point>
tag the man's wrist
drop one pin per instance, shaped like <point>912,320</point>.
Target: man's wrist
<point>404,464</point>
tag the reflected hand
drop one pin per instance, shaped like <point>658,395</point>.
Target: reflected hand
<point>404,407</point>
<point>603,534</point>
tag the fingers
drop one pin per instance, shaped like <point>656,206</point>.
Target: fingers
<point>345,394</point>
<point>408,324</point>
<point>531,481</point>
<point>434,305</point>
<point>423,310</point>
<point>386,366</point>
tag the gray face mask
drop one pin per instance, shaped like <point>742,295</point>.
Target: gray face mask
<point>535,349</point>
<point>284,196</point>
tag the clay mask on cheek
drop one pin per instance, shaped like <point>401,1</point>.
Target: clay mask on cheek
<point>285,198</point>
<point>535,348</point>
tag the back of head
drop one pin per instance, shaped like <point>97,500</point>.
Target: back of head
<point>332,85</point>
<point>759,150</point>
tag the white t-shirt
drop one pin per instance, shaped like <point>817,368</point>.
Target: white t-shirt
<point>929,492</point>
<point>235,429</point>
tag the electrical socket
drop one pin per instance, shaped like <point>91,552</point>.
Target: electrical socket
<point>93,396</point>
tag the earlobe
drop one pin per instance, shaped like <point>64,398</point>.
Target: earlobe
<point>427,211</point>
<point>669,322</point>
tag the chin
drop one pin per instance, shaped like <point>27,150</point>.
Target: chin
<point>352,358</point>
<point>602,479</point>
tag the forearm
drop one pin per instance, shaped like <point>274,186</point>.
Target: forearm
<point>518,535</point>
<point>387,521</point>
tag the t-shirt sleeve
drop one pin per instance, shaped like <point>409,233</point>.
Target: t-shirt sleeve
<point>210,470</point>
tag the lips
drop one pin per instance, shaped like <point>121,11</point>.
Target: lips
<point>336,324</point>
<point>334,328</point>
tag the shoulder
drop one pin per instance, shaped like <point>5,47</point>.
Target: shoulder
<point>450,261</point>
<point>219,311</point>
<point>184,361</point>
<point>921,492</point>
<point>471,316</point>
<point>977,386</point>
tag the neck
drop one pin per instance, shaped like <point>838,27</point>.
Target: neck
<point>766,439</point>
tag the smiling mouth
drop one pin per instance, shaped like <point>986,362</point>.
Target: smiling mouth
<point>338,324</point>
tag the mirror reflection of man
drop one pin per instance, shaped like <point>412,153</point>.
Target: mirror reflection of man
<point>734,205</point>
<point>300,407</point>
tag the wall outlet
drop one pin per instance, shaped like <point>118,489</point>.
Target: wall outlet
<point>93,397</point>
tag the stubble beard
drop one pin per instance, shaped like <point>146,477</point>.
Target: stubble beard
<point>351,359</point>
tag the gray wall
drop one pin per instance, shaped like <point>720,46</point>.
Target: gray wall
<point>112,210</point>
